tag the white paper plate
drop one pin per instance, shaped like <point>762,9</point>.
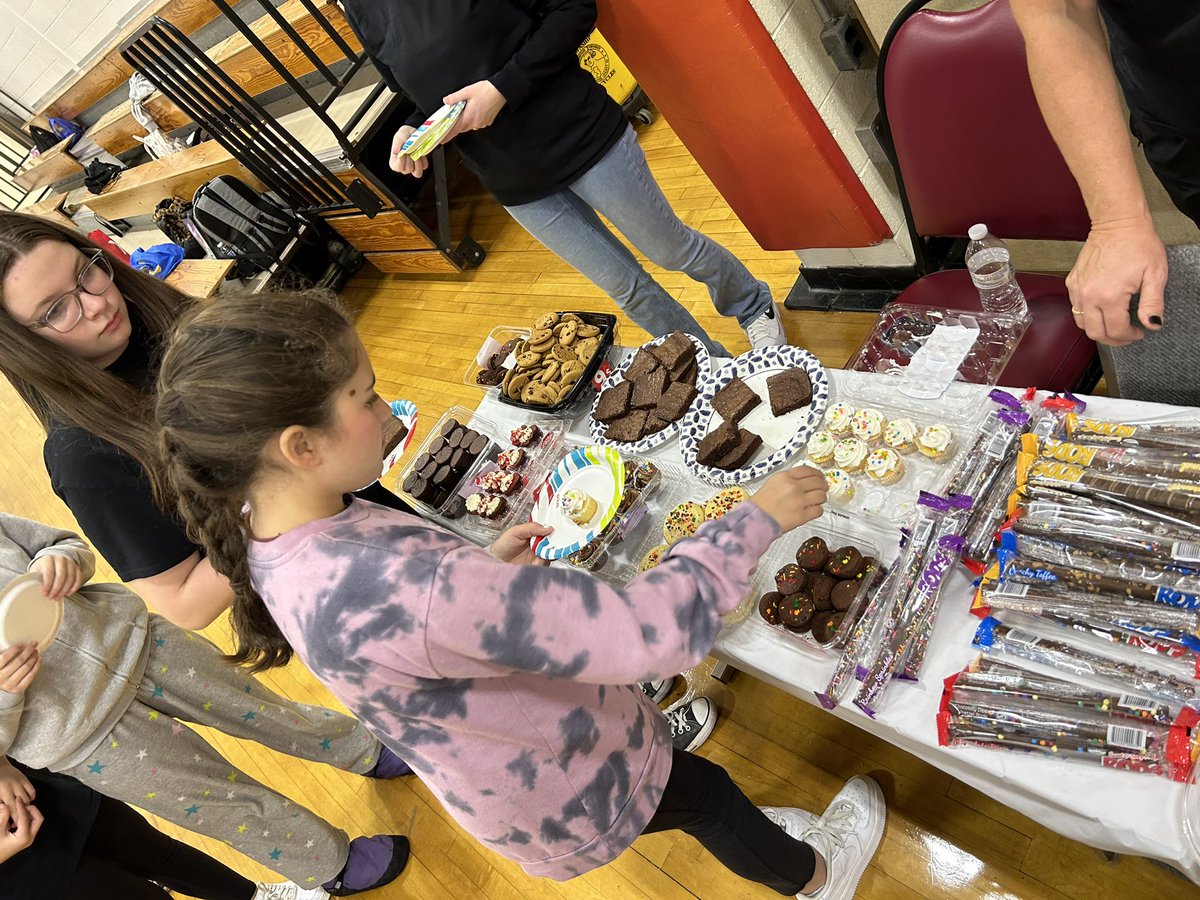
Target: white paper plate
<point>599,473</point>
<point>26,614</point>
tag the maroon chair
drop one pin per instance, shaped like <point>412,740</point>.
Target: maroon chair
<point>968,142</point>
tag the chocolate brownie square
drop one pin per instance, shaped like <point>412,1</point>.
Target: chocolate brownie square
<point>643,364</point>
<point>735,400</point>
<point>716,444</point>
<point>654,424</point>
<point>747,445</point>
<point>648,389</point>
<point>675,401</point>
<point>628,428</point>
<point>789,390</point>
<point>614,402</point>
<point>673,350</point>
<point>688,375</point>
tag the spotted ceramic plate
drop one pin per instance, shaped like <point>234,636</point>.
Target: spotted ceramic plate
<point>783,436</point>
<point>599,473</point>
<point>703,370</point>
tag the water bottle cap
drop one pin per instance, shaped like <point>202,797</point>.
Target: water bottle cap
<point>977,232</point>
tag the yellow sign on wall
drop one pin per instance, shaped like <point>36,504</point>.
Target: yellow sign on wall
<point>597,57</point>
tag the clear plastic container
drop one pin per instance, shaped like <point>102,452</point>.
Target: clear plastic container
<point>434,506</point>
<point>540,458</point>
<point>579,397</point>
<point>606,555</point>
<point>489,352</point>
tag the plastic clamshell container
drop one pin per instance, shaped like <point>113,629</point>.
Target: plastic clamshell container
<point>580,396</point>
<point>499,336</point>
<point>540,459</point>
<point>465,417</point>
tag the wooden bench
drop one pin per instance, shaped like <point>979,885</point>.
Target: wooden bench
<point>53,165</point>
<point>200,277</point>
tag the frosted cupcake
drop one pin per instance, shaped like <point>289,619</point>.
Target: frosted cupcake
<point>867,425</point>
<point>839,485</point>
<point>901,435</point>
<point>577,506</point>
<point>885,466</point>
<point>936,441</point>
<point>820,447</point>
<point>837,419</point>
<point>850,454</point>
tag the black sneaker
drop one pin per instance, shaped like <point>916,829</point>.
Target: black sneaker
<point>373,862</point>
<point>658,690</point>
<point>692,723</point>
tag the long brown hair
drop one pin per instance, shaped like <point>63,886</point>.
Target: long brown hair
<point>234,375</point>
<point>62,389</point>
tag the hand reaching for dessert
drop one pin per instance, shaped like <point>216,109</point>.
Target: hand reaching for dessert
<point>513,545</point>
<point>792,497</point>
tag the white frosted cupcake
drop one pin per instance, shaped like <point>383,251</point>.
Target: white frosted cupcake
<point>820,447</point>
<point>901,435</point>
<point>885,466</point>
<point>837,419</point>
<point>936,442</point>
<point>850,454</point>
<point>839,485</point>
<point>867,425</point>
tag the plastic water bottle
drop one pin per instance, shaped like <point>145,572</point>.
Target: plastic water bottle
<point>990,265</point>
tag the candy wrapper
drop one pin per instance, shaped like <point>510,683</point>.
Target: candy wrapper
<point>1066,731</point>
<point>989,512</point>
<point>1181,497</point>
<point>986,677</point>
<point>1175,646</point>
<point>1077,664</point>
<point>1171,465</point>
<point>1023,569</point>
<point>997,439</point>
<point>1134,434</point>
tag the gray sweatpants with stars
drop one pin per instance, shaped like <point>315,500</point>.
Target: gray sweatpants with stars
<point>153,761</point>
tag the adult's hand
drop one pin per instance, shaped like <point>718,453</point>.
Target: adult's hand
<point>792,497</point>
<point>484,103</point>
<point>18,827</point>
<point>1119,259</point>
<point>406,165</point>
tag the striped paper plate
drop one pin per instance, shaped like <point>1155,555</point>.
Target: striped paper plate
<point>597,471</point>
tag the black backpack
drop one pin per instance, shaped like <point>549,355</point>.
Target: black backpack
<point>237,222</point>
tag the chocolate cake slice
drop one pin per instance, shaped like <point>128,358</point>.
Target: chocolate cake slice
<point>648,390</point>
<point>614,402</point>
<point>628,428</point>
<point>654,424</point>
<point>716,444</point>
<point>789,390</point>
<point>675,401</point>
<point>673,350</point>
<point>643,364</point>
<point>735,400</point>
<point>747,445</point>
<point>688,375</point>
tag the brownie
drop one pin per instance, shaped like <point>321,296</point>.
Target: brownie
<point>813,554</point>
<point>788,391</point>
<point>844,593</point>
<point>486,506</point>
<point>747,445</point>
<point>716,444</point>
<point>685,362</point>
<point>654,424</point>
<point>735,400</point>
<point>796,612</point>
<point>395,432</point>
<point>648,390</point>
<point>825,626</point>
<point>643,364</point>
<point>673,350</point>
<point>688,375</point>
<point>675,401</point>
<point>614,402</point>
<point>455,508</point>
<point>628,428</point>
<point>844,562</point>
<point>524,435</point>
<point>768,607</point>
<point>791,579</point>
<point>511,459</point>
<point>822,590</point>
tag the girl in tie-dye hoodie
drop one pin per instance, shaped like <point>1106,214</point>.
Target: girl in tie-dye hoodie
<point>505,684</point>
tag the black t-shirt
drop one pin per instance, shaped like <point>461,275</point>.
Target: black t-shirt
<point>1154,45</point>
<point>557,122</point>
<point>46,868</point>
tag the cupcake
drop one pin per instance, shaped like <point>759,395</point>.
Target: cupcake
<point>683,521</point>
<point>850,454</point>
<point>840,486</point>
<point>901,435</point>
<point>577,506</point>
<point>936,442</point>
<point>867,425</point>
<point>837,419</point>
<point>885,466</point>
<point>820,447</point>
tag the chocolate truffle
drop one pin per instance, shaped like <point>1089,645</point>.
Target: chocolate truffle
<point>796,612</point>
<point>813,554</point>
<point>844,593</point>
<point>768,607</point>
<point>844,562</point>
<point>791,579</point>
<point>822,591</point>
<point>825,626</point>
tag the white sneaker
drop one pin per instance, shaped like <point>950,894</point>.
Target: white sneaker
<point>847,836</point>
<point>767,329</point>
<point>691,723</point>
<point>287,890</point>
<point>658,690</point>
<point>792,820</point>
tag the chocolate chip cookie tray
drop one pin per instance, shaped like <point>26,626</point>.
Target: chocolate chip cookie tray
<point>579,396</point>
<point>495,357</point>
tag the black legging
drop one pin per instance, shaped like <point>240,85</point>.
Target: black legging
<point>124,856</point>
<point>701,799</point>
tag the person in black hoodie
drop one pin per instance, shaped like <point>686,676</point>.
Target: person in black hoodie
<point>554,148</point>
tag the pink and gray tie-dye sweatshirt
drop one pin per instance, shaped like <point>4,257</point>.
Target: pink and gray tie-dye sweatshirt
<point>507,687</point>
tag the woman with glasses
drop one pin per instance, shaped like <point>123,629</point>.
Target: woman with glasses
<point>80,338</point>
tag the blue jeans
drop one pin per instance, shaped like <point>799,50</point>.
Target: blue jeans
<point>621,188</point>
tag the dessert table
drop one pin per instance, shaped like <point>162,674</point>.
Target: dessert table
<point>1106,809</point>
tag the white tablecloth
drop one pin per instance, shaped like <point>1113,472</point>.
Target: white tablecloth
<point>1110,810</point>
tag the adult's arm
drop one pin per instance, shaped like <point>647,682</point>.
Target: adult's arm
<point>561,27</point>
<point>1077,91</point>
<point>191,594</point>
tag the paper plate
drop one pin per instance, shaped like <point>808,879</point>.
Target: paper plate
<point>597,429</point>
<point>26,614</point>
<point>597,471</point>
<point>783,436</point>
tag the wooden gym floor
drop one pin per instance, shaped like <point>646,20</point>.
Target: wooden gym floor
<point>943,838</point>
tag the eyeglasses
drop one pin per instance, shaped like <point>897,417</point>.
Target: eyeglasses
<point>64,313</point>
